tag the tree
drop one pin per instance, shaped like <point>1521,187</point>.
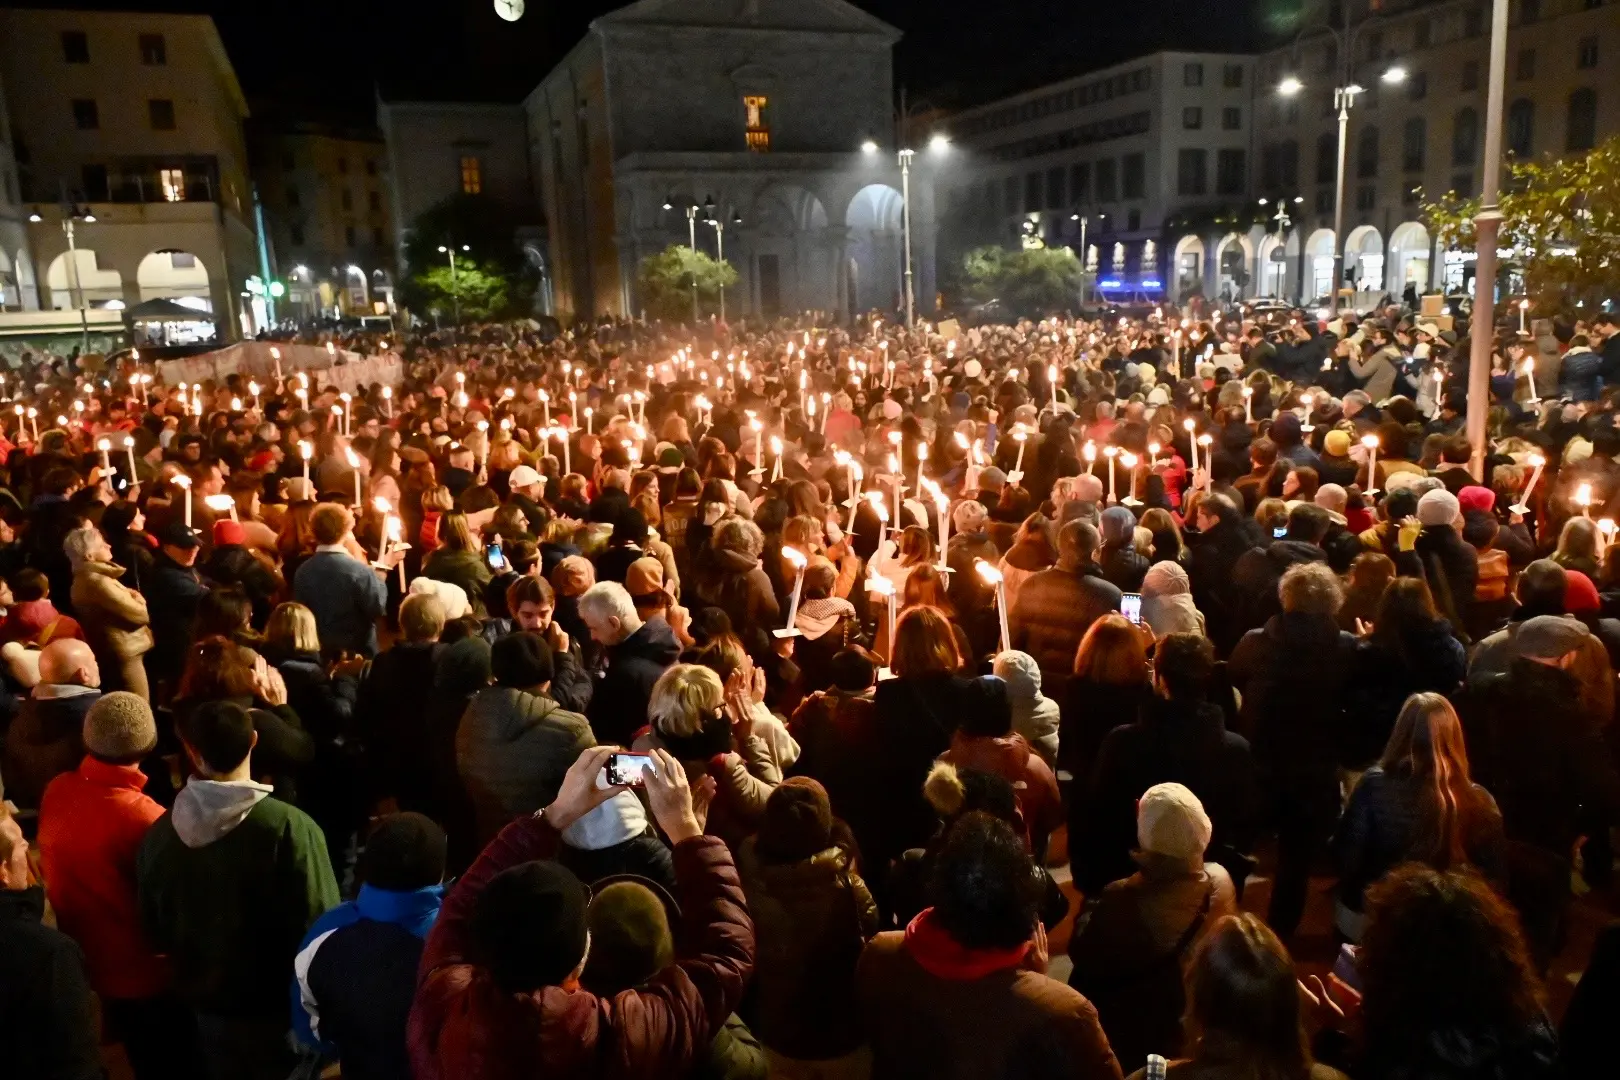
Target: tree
<point>492,278</point>
<point>1034,281</point>
<point>1562,218</point>
<point>665,281</point>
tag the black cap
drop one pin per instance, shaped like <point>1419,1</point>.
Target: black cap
<point>176,534</point>
<point>404,852</point>
<point>521,660</point>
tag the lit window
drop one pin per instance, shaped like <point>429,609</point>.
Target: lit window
<point>758,132</point>
<point>173,182</point>
<point>472,176</point>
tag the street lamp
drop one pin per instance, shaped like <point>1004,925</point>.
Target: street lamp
<point>455,292</point>
<point>717,221</point>
<point>71,214</point>
<point>869,147</point>
<point>1486,227</point>
<point>938,144</point>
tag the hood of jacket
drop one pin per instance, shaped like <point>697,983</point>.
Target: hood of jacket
<point>825,869</point>
<point>734,562</point>
<point>1285,553</point>
<point>206,810</point>
<point>414,910</point>
<point>655,641</point>
<point>1296,632</point>
<point>506,713</point>
<point>619,819</point>
<point>1172,614</point>
<point>939,954</point>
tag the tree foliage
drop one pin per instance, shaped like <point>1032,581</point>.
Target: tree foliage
<point>1032,281</point>
<point>665,279</point>
<point>492,278</point>
<point>1562,218</point>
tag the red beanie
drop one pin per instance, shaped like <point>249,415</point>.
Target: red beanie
<point>1474,497</point>
<point>228,532</point>
<point>1580,595</point>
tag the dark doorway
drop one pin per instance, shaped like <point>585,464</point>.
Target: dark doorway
<point>770,286</point>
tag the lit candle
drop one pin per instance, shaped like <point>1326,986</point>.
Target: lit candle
<point>796,557</point>
<point>1524,310</point>
<point>129,448</point>
<point>354,465</point>
<point>776,450</point>
<point>1022,438</point>
<point>882,512</point>
<point>184,483</point>
<point>943,505</point>
<point>1583,499</point>
<point>589,426</point>
<point>568,459</point>
<point>222,504</point>
<point>885,588</point>
<point>1111,452</point>
<point>104,445</point>
<point>1089,452</point>
<point>33,421</point>
<point>388,401</point>
<point>1371,443</point>
<point>545,404</point>
<point>1153,454</point>
<point>810,413</point>
<point>305,450</point>
<point>236,404</point>
<point>1537,462</point>
<point>253,388</point>
<point>348,413</point>
<point>275,354</point>
<point>392,541</point>
<point>759,447</point>
<point>1306,426</point>
<point>993,576</point>
<point>922,459</point>
<point>1192,442</point>
<point>826,407</point>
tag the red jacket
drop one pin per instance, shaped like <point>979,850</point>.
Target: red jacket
<point>462,1026</point>
<point>91,823</point>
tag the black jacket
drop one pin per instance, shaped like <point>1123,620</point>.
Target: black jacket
<point>1124,567</point>
<point>913,718</point>
<point>233,564</point>
<point>1386,673</point>
<point>1211,559</point>
<point>391,722</point>
<point>1257,574</point>
<point>1292,674</point>
<point>172,596</point>
<point>1171,742</point>
<point>49,1017</point>
<point>619,704</point>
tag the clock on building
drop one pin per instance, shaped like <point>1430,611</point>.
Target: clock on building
<point>510,10</point>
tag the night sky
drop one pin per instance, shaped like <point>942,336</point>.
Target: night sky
<point>321,59</point>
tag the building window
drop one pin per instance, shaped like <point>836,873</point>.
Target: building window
<point>757,129</point>
<point>1524,67</point>
<point>94,179</point>
<point>1366,197</point>
<point>1414,138</point>
<point>472,176</point>
<point>1581,129</point>
<point>1470,75</point>
<point>348,236</point>
<point>1231,119</point>
<point>1079,183</point>
<point>1190,166</point>
<point>161,113</point>
<point>1054,188</point>
<point>1464,137</point>
<point>1232,76</point>
<point>1367,153</point>
<point>1192,118</point>
<point>1133,179</point>
<point>376,236</point>
<point>86,117</point>
<point>75,47</point>
<point>292,195</point>
<point>1106,177</point>
<point>375,201</point>
<point>1229,172</point>
<point>1417,86</point>
<point>345,199</point>
<point>154,52</point>
<point>1529,11</point>
<point>1587,53</point>
<point>1521,128</point>
<point>1327,158</point>
<point>295,233</point>
<point>1192,75</point>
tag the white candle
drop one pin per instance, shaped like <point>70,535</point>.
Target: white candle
<point>1111,452</point>
<point>1248,404</point>
<point>1022,438</point>
<point>1209,477</point>
<point>796,557</point>
<point>776,451</point>
<point>943,505</point>
<point>1129,461</point>
<point>885,588</point>
<point>826,407</point>
<point>1192,443</point>
<point>993,576</point>
<point>1089,452</point>
<point>1371,443</point>
<point>348,413</point>
<point>922,459</point>
<point>1583,499</point>
<point>388,401</point>
<point>354,464</point>
<point>305,450</point>
<point>1529,370</point>
<point>129,448</point>
<point>1523,505</point>
<point>184,483</point>
<point>1524,309</point>
<point>104,445</point>
<point>590,428</point>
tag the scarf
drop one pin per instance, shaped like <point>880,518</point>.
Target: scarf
<point>937,953</point>
<point>817,617</point>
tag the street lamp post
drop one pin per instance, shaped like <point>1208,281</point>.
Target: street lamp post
<point>455,291</point>
<point>1084,220</point>
<point>1486,227</point>
<point>717,221</point>
<point>1344,99</point>
<point>938,144</point>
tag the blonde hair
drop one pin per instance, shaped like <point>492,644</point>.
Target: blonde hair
<point>683,699</point>
<point>292,626</point>
<point>438,498</point>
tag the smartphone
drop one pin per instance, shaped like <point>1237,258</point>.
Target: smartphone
<point>1345,967</point>
<point>1279,532</point>
<point>1130,606</point>
<point>628,770</point>
<point>495,556</point>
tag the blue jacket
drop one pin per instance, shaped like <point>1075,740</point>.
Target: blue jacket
<point>355,974</point>
<point>347,596</point>
<point>1580,375</point>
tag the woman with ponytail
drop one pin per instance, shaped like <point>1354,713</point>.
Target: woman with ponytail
<point>1417,804</point>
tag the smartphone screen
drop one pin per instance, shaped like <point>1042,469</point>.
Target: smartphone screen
<point>1279,532</point>
<point>628,769</point>
<point>1130,606</point>
<point>495,557</point>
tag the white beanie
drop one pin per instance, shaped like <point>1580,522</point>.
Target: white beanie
<point>1438,508</point>
<point>1171,821</point>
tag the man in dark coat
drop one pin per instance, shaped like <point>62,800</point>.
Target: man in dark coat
<point>1056,607</point>
<point>1256,574</point>
<point>172,595</point>
<point>390,711</point>
<point>50,1020</point>
<point>637,653</point>
<point>1214,549</point>
<point>1292,674</point>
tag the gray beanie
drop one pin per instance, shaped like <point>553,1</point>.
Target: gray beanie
<point>1549,637</point>
<point>1118,525</point>
<point>120,726</point>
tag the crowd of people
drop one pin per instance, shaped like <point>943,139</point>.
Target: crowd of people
<point>774,700</point>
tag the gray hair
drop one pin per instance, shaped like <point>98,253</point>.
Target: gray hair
<point>78,544</point>
<point>608,599</point>
<point>740,535</point>
<point>970,516</point>
<point>1311,588</point>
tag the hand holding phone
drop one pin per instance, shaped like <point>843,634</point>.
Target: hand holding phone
<point>1130,606</point>
<point>627,770</point>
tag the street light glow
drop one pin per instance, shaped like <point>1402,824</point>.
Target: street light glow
<point>1290,86</point>
<point>869,146</point>
<point>1396,74</point>
<point>939,143</point>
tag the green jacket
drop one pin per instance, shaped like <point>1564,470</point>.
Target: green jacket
<point>229,881</point>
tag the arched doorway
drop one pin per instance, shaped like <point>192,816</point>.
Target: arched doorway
<point>1273,266</point>
<point>1189,267</point>
<point>1319,265</point>
<point>75,278</point>
<point>355,293</point>
<point>175,275</point>
<point>10,295</point>
<point>1409,254</point>
<point>876,255</point>
<point>1364,260</point>
<point>1232,257</point>
<point>27,286</point>
<point>382,290</point>
<point>791,269</point>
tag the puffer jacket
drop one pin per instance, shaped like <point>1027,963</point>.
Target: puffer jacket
<point>462,1025</point>
<point>112,615</point>
<point>812,917</point>
<point>512,750</point>
<point>1055,608</point>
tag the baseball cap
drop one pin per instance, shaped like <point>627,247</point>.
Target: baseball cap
<point>177,534</point>
<point>523,476</point>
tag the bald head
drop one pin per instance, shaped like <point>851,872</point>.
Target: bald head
<point>68,663</point>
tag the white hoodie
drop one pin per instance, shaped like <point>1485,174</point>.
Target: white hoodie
<point>206,810</point>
